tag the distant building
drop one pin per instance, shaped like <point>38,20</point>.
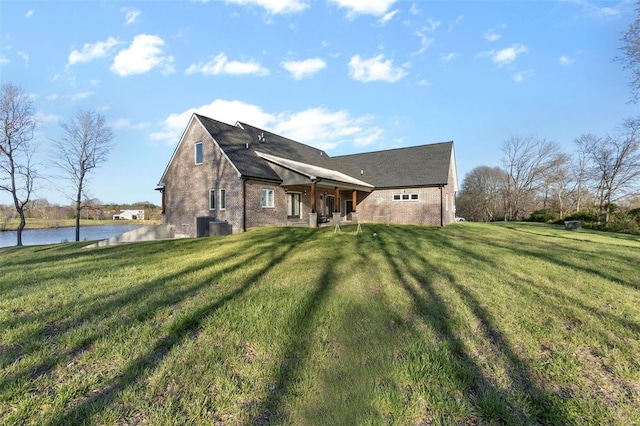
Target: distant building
<point>129,215</point>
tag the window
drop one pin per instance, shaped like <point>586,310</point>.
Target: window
<point>267,198</point>
<point>199,153</point>
<point>212,199</point>
<point>223,199</point>
<point>405,197</point>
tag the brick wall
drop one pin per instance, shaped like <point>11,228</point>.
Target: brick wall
<point>187,185</point>
<point>380,207</point>
<point>257,215</point>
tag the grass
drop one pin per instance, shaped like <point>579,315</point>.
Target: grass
<point>472,323</point>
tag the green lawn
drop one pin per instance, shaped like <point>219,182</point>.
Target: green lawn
<point>468,324</point>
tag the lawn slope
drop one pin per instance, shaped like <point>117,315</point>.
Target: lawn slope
<point>472,323</point>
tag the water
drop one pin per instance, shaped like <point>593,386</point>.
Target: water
<point>31,237</point>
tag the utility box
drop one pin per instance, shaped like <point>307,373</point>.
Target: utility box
<point>219,228</point>
<point>202,226</point>
<point>207,226</point>
<point>572,225</point>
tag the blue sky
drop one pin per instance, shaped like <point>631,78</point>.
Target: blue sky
<point>343,75</point>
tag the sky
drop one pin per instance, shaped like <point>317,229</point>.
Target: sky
<point>346,76</point>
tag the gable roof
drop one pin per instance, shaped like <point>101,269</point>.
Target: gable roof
<point>240,143</point>
<point>423,165</point>
<point>251,150</point>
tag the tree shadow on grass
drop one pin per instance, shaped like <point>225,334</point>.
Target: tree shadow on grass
<point>85,308</point>
<point>140,304</point>
<point>561,301</point>
<point>297,346</point>
<point>492,402</point>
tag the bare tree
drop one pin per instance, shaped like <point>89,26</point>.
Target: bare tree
<point>84,146</point>
<point>526,161</point>
<point>616,162</point>
<point>630,58</point>
<point>480,197</point>
<point>556,182</point>
<point>582,173</point>
<point>17,169</point>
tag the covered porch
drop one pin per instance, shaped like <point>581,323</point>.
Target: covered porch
<point>316,195</point>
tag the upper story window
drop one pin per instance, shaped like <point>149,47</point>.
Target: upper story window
<point>267,198</point>
<point>199,153</point>
<point>223,199</point>
<point>405,197</point>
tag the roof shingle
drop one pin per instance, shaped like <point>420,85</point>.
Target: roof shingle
<point>424,165</point>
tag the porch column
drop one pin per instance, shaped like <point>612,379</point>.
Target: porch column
<point>354,200</point>
<point>313,216</point>
<point>336,204</point>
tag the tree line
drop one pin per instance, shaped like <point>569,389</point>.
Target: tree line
<point>599,181</point>
<point>50,214</point>
<point>84,145</point>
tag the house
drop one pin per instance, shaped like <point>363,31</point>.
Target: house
<point>247,177</point>
<point>129,215</point>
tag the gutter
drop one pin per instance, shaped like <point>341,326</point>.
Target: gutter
<point>244,205</point>
<point>441,207</point>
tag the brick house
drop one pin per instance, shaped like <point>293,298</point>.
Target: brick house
<point>247,177</point>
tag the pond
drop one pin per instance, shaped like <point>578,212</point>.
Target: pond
<point>31,237</point>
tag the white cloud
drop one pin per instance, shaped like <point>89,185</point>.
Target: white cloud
<point>318,127</point>
<point>388,16</point>
<point>365,7</point>
<point>124,123</point>
<point>492,36</point>
<point>595,10</point>
<point>455,23</point>
<point>566,60</point>
<point>519,77</point>
<point>415,10</point>
<point>41,117</point>
<point>221,65</point>
<point>226,111</point>
<point>130,15</point>
<point>448,56</point>
<point>425,41</point>
<point>275,7</point>
<point>306,68</point>
<point>52,97</point>
<point>80,96</point>
<point>29,14</point>
<point>509,54</point>
<point>506,55</point>
<point>3,60</point>
<point>25,57</point>
<point>93,51</point>
<point>144,54</point>
<point>374,69</point>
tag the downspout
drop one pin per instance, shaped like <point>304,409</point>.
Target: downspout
<point>441,208</point>
<point>244,205</point>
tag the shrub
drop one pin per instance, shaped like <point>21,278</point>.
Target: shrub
<point>544,215</point>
